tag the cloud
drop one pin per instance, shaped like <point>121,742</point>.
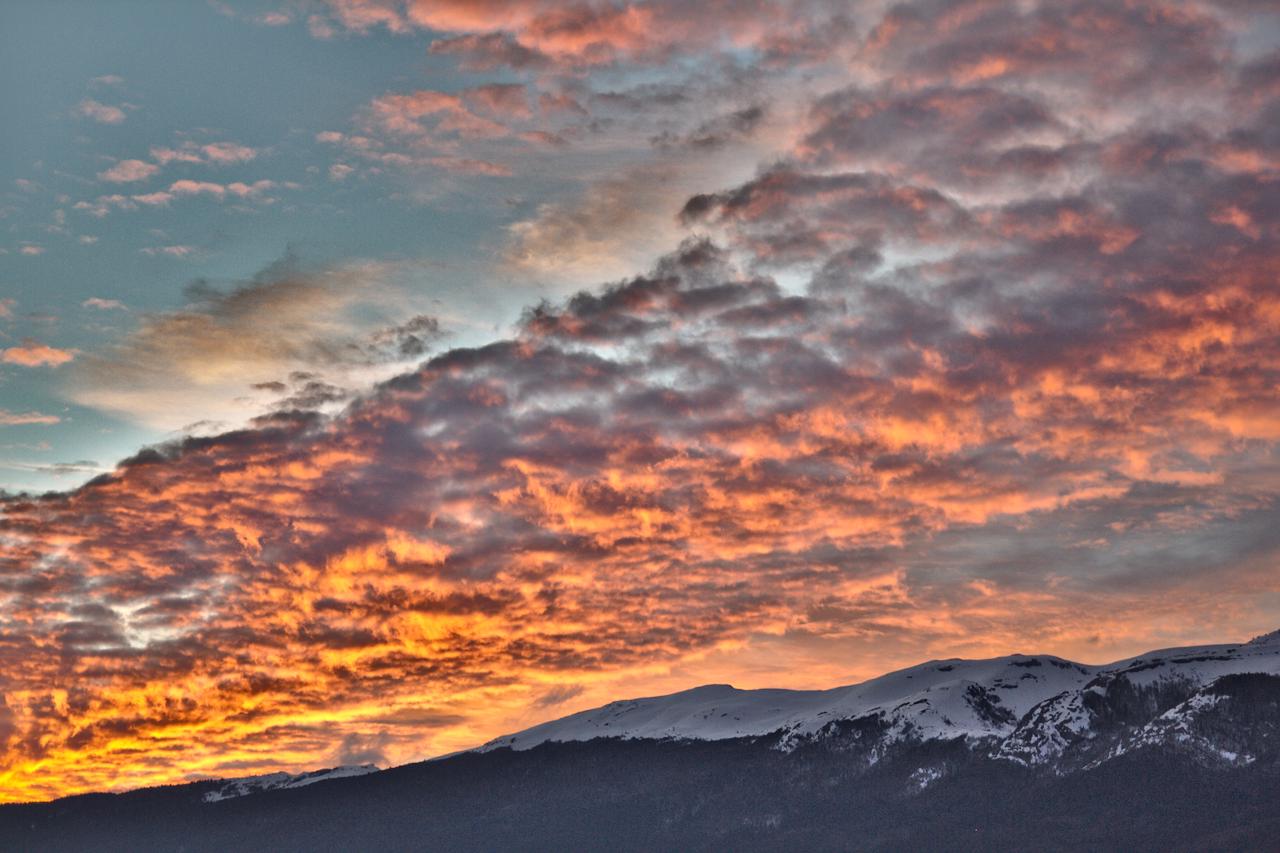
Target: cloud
<point>534,35</point>
<point>614,226</point>
<point>8,418</point>
<point>103,304</point>
<point>489,51</point>
<point>357,749</point>
<point>237,189</point>
<point>194,364</point>
<point>101,113</point>
<point>558,695</point>
<point>715,132</point>
<point>156,199</point>
<point>127,171</point>
<point>57,469</point>
<point>500,99</point>
<point>984,355</point>
<point>168,251</point>
<point>212,153</point>
<point>657,471</point>
<point>439,114</point>
<point>271,18</point>
<point>35,354</point>
<point>426,130</point>
<point>184,188</point>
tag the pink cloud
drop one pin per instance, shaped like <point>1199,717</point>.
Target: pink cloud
<point>127,171</point>
<point>243,190</point>
<point>501,99</point>
<point>176,155</point>
<point>213,153</point>
<point>228,152</point>
<point>154,199</point>
<point>236,188</point>
<point>103,304</point>
<point>404,114</point>
<point>541,33</point>
<point>8,418</point>
<point>189,187</point>
<point>104,204</point>
<point>35,354</point>
<point>101,113</point>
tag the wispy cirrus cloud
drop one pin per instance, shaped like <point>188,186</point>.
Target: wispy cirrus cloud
<point>8,418</point>
<point>174,251</point>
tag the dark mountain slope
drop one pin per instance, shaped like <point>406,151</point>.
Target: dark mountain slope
<point>1160,754</point>
<point>629,795</point>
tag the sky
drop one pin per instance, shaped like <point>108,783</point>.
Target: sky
<point>378,377</point>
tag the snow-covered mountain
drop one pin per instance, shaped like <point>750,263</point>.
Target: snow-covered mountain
<point>1034,710</point>
<point>231,788</point>
<point>1174,749</point>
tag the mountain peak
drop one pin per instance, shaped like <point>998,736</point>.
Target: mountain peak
<point>1266,639</point>
<point>980,701</point>
<point>231,788</point>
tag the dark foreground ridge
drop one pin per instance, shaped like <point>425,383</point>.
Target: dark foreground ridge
<point>1137,765</point>
<point>723,795</point>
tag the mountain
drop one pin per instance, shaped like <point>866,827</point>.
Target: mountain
<point>245,785</point>
<point>1177,749</point>
<point>1036,710</point>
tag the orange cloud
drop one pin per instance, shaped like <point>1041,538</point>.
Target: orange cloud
<point>35,354</point>
<point>101,113</point>
<point>1013,386</point>
<point>8,418</point>
<point>127,171</point>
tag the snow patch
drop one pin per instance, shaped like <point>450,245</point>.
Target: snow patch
<point>1024,708</point>
<point>232,788</point>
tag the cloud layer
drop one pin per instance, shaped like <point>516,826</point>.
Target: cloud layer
<point>986,357</point>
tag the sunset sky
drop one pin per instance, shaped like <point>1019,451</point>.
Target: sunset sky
<point>381,376</point>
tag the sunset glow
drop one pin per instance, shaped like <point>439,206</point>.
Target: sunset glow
<point>770,343</point>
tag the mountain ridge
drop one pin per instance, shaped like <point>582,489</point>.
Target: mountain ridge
<point>1033,706</point>
<point>1174,749</point>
